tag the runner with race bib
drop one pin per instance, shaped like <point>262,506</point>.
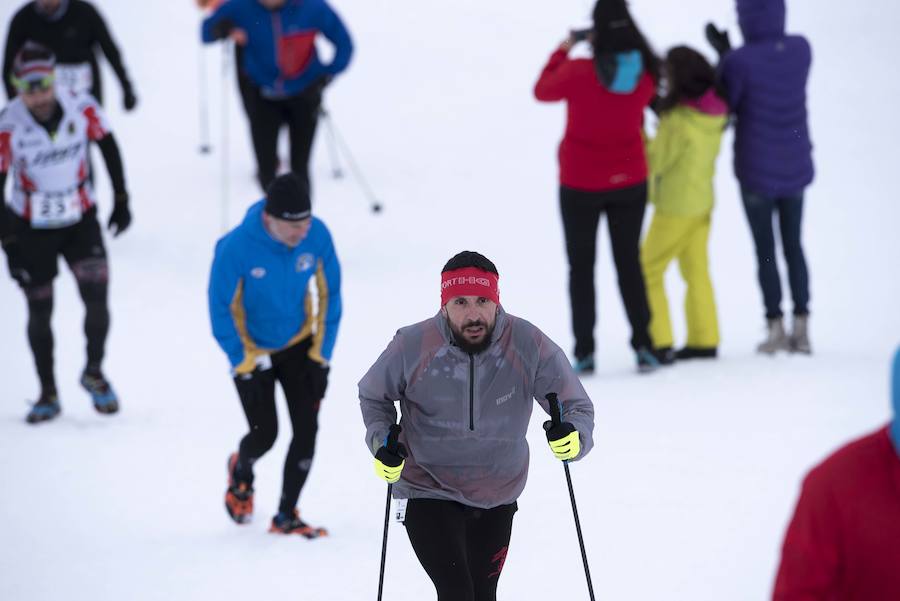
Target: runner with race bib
<point>45,140</point>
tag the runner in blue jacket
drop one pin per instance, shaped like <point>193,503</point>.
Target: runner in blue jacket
<point>261,308</point>
<point>284,77</point>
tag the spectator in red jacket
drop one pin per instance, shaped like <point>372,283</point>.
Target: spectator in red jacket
<point>843,543</point>
<point>603,168</point>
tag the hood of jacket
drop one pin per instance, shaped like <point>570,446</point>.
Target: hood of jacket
<point>761,19</point>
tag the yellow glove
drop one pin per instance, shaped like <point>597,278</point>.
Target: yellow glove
<point>391,457</point>
<point>564,440</point>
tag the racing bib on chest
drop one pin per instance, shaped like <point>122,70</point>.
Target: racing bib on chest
<point>52,210</point>
<point>77,78</point>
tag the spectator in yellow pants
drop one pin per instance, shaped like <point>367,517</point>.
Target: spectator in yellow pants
<point>682,161</point>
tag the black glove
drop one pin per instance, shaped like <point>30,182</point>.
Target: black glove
<point>221,29</point>
<point>718,39</point>
<point>129,100</point>
<point>121,215</point>
<point>323,82</point>
<point>14,260</point>
<point>318,379</point>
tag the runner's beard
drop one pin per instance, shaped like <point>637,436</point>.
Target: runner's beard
<point>473,348</point>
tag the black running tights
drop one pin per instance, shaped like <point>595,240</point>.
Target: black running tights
<point>462,548</point>
<point>291,369</point>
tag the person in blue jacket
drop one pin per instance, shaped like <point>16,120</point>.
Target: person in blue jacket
<point>284,76</point>
<point>262,312</point>
<point>764,82</point>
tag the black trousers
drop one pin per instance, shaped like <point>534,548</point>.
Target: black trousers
<point>267,116</point>
<point>37,256</point>
<point>581,213</point>
<point>290,368</point>
<point>462,548</point>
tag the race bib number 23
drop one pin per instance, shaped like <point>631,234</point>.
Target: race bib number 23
<point>51,210</point>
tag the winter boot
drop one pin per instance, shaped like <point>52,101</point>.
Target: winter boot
<point>800,335</point>
<point>584,366</point>
<point>665,356</point>
<point>102,394</point>
<point>290,523</point>
<point>646,360</point>
<point>238,496</point>
<point>696,352</point>
<point>46,408</point>
<point>776,339</point>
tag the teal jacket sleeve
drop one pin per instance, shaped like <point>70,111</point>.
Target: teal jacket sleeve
<point>224,290</point>
<point>328,285</point>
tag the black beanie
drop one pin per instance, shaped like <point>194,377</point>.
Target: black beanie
<point>287,197</point>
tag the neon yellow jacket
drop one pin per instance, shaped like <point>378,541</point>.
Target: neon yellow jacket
<point>682,156</point>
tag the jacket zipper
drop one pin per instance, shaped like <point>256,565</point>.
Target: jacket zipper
<point>471,392</point>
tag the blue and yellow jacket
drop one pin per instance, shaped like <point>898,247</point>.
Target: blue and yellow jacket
<point>280,56</point>
<point>259,292</point>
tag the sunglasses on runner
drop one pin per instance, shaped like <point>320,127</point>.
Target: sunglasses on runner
<point>30,86</point>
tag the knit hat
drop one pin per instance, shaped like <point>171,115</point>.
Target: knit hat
<point>287,197</point>
<point>33,67</point>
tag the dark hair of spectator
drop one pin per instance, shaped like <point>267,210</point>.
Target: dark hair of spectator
<point>615,31</point>
<point>689,76</point>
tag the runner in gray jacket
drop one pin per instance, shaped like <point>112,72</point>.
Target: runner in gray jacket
<point>466,380</point>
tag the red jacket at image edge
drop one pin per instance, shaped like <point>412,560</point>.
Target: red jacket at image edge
<point>603,147</point>
<point>843,543</point>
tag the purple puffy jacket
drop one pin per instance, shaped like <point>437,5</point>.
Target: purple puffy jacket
<point>766,84</point>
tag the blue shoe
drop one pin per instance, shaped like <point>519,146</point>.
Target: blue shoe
<point>46,408</point>
<point>646,361</point>
<point>584,366</point>
<point>102,394</point>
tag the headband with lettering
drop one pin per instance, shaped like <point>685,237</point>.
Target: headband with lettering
<point>469,281</point>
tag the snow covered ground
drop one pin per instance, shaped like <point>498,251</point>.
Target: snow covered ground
<point>696,469</point>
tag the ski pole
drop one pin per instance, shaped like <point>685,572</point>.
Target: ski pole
<point>227,52</point>
<point>556,419</point>
<point>336,171</point>
<point>203,102</point>
<point>351,162</point>
<point>392,443</point>
<point>387,518</point>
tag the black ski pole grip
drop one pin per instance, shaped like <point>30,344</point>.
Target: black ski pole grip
<point>555,415</point>
<point>393,438</point>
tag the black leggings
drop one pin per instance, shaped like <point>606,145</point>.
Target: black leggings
<point>462,548</point>
<point>93,286</point>
<point>300,113</point>
<point>291,369</point>
<point>581,217</point>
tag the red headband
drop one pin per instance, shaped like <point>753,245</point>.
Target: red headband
<point>469,281</point>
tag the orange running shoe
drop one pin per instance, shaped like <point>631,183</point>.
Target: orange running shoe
<point>238,496</point>
<point>285,523</point>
